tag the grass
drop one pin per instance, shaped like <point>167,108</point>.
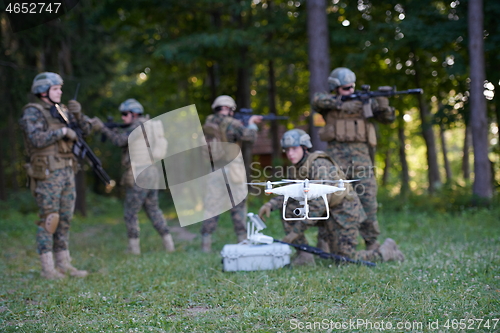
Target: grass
<point>452,272</point>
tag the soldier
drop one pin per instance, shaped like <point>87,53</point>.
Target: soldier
<point>136,197</point>
<point>350,137</point>
<point>337,234</point>
<point>51,171</point>
<point>233,131</point>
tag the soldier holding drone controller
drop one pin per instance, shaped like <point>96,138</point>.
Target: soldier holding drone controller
<point>337,234</point>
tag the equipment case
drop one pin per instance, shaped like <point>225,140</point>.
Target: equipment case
<point>250,257</point>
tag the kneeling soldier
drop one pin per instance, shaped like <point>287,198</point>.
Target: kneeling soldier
<point>339,233</point>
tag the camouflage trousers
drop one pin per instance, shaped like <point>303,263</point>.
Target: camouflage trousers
<point>238,215</point>
<point>136,198</point>
<point>56,194</point>
<point>355,161</point>
<point>340,231</point>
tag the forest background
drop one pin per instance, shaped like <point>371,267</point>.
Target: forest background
<point>169,54</point>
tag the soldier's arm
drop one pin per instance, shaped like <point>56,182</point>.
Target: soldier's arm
<point>241,132</point>
<point>324,102</point>
<point>119,139</point>
<point>34,125</point>
<point>84,124</point>
<point>276,202</point>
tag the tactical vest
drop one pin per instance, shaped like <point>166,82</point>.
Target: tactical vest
<point>52,157</point>
<point>303,171</point>
<point>348,124</point>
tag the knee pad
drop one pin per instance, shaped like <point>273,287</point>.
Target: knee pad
<point>51,222</point>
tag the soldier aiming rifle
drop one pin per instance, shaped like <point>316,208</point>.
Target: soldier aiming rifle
<point>244,116</point>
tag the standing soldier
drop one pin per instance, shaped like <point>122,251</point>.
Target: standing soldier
<point>136,197</point>
<point>232,131</point>
<point>51,170</point>
<point>350,136</point>
<point>338,234</point>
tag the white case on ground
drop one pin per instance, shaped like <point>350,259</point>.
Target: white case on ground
<point>250,257</point>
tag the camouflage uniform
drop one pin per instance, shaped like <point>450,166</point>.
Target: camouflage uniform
<point>235,132</point>
<point>340,231</point>
<point>136,197</point>
<point>52,171</point>
<point>349,136</point>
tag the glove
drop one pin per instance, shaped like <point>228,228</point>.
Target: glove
<point>96,123</point>
<point>383,103</point>
<point>70,134</point>
<point>265,209</point>
<point>351,107</point>
<point>75,108</point>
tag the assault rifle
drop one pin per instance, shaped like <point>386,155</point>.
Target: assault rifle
<point>81,149</point>
<point>325,255</point>
<point>244,115</point>
<point>364,95</point>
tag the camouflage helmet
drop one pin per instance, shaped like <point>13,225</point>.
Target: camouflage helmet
<point>224,100</point>
<point>131,105</point>
<point>340,76</point>
<point>43,81</point>
<point>295,138</point>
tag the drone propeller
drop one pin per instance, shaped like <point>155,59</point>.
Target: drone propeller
<point>267,183</point>
<point>335,181</point>
<point>320,181</point>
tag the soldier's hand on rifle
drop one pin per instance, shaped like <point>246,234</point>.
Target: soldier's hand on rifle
<point>265,209</point>
<point>254,119</point>
<point>69,133</point>
<point>96,123</point>
<point>383,102</point>
<point>75,108</point>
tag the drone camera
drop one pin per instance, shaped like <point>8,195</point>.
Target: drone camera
<point>299,211</point>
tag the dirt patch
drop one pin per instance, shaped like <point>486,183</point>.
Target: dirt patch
<point>197,310</point>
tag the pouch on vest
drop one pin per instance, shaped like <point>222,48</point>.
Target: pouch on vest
<point>38,168</point>
<point>214,139</point>
<point>372,135</point>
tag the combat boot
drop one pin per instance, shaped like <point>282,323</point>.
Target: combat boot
<point>63,264</point>
<point>242,237</point>
<point>372,246</point>
<point>206,243</point>
<point>390,251</point>
<point>133,246</point>
<point>48,269</point>
<point>303,258</point>
<point>168,243</point>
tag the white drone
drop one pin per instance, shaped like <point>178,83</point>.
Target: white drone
<point>302,191</point>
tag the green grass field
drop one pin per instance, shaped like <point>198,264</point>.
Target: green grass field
<point>450,281</point>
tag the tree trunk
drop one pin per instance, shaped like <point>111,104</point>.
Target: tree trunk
<point>478,120</point>
<point>319,62</point>
<point>272,109</point>
<point>80,202</point>
<point>12,131</point>
<point>3,192</point>
<point>447,167</point>
<point>387,164</point>
<point>243,101</point>
<point>465,156</point>
<point>405,175</point>
<point>428,134</point>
